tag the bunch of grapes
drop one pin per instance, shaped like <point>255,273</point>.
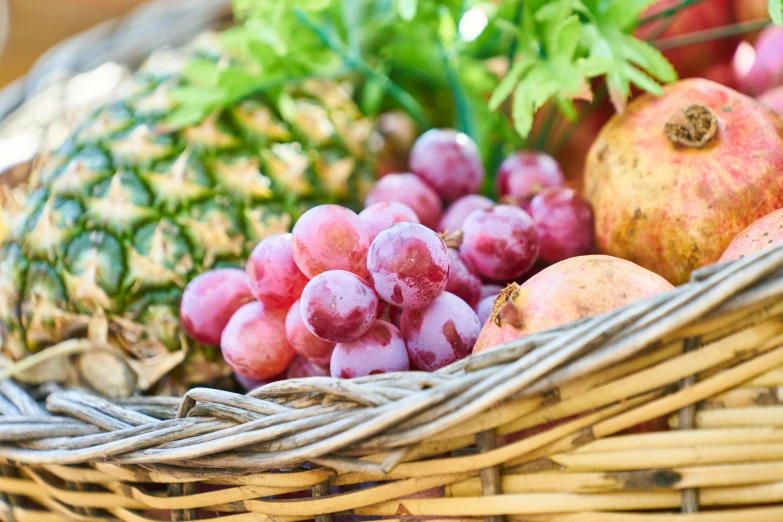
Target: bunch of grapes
<point>403,284</point>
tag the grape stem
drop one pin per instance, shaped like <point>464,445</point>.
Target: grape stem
<point>697,37</point>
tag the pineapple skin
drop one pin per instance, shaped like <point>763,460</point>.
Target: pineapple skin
<point>119,218</point>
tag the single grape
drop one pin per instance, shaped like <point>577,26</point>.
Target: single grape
<point>455,215</point>
<point>440,333</point>
<point>564,221</point>
<point>338,306</point>
<point>408,189</point>
<point>209,301</point>
<point>380,350</point>
<point>449,161</point>
<point>524,174</point>
<point>302,367</point>
<point>409,265</point>
<point>501,242</point>
<point>254,343</point>
<point>272,274</point>
<point>330,237</point>
<point>484,308</point>
<point>303,341</point>
<point>380,216</point>
<point>491,289</point>
<point>464,281</point>
<point>251,384</point>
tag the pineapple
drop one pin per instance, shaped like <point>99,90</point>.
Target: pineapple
<point>119,218</point>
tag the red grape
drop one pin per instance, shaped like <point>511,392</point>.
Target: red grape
<point>302,339</point>
<point>254,343</point>
<point>455,215</point>
<point>524,174</point>
<point>409,265</point>
<point>301,367</point>
<point>488,290</point>
<point>564,221</point>
<point>380,350</point>
<point>484,308</point>
<point>464,281</point>
<point>272,274</point>
<point>330,237</point>
<point>410,190</point>
<point>380,216</point>
<point>338,306</point>
<point>209,301</point>
<point>501,242</point>
<point>449,161</point>
<point>251,384</point>
<point>441,333</point>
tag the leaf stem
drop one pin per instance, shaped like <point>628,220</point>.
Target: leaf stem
<point>697,37</point>
<point>402,96</point>
<point>464,121</point>
<point>667,13</point>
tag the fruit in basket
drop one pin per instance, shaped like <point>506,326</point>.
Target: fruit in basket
<point>773,99</point>
<point>272,274</point>
<point>440,333</point>
<point>448,161</point>
<point>464,281</point>
<point>209,301</point>
<point>382,215</point>
<point>485,306</point>
<point>302,367</point>
<point>501,242</point>
<point>303,341</point>
<point>765,71</point>
<point>675,178</point>
<point>564,292</point>
<point>524,174</point>
<point>454,216</point>
<point>254,343</point>
<point>128,210</point>
<point>380,350</point>
<point>564,223</point>
<point>407,188</point>
<point>409,265</point>
<point>338,306</point>
<point>761,234</point>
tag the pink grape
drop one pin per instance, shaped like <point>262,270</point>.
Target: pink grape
<point>449,161</point>
<point>330,237</point>
<point>408,189</point>
<point>501,242</point>
<point>488,290</point>
<point>303,341</point>
<point>302,367</point>
<point>440,333</point>
<point>565,224</point>
<point>254,343</point>
<point>484,308</point>
<point>455,215</point>
<point>272,274</point>
<point>380,216</point>
<point>524,174</point>
<point>464,281</point>
<point>380,350</point>
<point>409,265</point>
<point>338,306</point>
<point>251,384</point>
<point>209,301</point>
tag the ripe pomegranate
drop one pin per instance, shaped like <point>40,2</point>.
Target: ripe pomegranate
<point>762,69</point>
<point>573,289</point>
<point>692,60</point>
<point>675,178</point>
<point>773,99</point>
<point>759,235</point>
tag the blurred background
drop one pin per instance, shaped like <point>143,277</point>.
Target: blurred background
<point>36,25</point>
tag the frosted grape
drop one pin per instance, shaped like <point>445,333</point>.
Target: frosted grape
<point>303,341</point>
<point>441,333</point>
<point>380,350</point>
<point>330,237</point>
<point>565,224</point>
<point>464,281</point>
<point>408,189</point>
<point>449,161</point>
<point>209,301</point>
<point>338,306</point>
<point>454,216</point>
<point>254,343</point>
<point>409,265</point>
<point>484,308</point>
<point>302,367</point>
<point>380,216</point>
<point>488,290</point>
<point>524,174</point>
<point>272,274</point>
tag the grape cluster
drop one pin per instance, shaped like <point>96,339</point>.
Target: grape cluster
<point>403,285</point>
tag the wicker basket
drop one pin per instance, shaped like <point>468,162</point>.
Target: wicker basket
<point>546,428</point>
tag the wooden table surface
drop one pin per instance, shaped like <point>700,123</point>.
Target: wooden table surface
<point>36,25</point>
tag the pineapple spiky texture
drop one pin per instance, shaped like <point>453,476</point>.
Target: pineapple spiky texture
<point>126,211</point>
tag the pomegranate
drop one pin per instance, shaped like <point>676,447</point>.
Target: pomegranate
<point>675,178</point>
<point>573,289</point>
<point>692,60</point>
<point>773,99</point>
<point>762,69</point>
<point>758,236</point>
